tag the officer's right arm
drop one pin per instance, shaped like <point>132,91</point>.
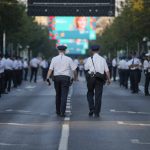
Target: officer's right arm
<point>73,68</point>
<point>51,68</point>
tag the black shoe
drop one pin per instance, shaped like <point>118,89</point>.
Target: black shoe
<point>62,115</point>
<point>58,113</point>
<point>147,94</point>
<point>96,115</point>
<point>91,113</point>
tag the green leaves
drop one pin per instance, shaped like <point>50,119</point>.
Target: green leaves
<point>129,27</point>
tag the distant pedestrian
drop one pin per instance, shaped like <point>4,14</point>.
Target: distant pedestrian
<point>34,64</point>
<point>97,68</point>
<point>8,72</point>
<point>44,67</point>
<point>146,66</point>
<point>114,68</point>
<point>2,67</point>
<point>62,67</point>
<point>25,68</point>
<point>134,65</point>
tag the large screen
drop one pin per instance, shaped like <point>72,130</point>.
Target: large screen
<point>72,28</point>
<point>74,32</point>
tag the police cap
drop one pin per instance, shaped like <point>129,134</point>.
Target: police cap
<point>62,47</point>
<point>95,47</point>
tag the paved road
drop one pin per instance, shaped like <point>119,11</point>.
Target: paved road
<point>28,120</point>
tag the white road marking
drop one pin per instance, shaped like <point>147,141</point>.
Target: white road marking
<point>133,124</point>
<point>9,110</point>
<point>30,87</point>
<point>63,145</point>
<point>130,112</point>
<point>137,141</point>
<point>67,119</point>
<point>8,144</point>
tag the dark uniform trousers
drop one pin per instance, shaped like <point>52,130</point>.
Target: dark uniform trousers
<point>114,73</point>
<point>134,78</point>
<point>34,71</point>
<point>8,79</point>
<point>61,84</point>
<point>147,81</point>
<point>25,73</point>
<point>1,83</point>
<point>95,88</point>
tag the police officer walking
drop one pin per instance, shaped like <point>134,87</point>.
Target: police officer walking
<point>97,68</point>
<point>34,63</point>
<point>146,66</point>
<point>62,67</point>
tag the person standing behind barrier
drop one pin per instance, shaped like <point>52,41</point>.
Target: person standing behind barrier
<point>34,64</point>
<point>96,65</point>
<point>2,67</point>
<point>25,68</point>
<point>134,65</point>
<point>8,72</point>
<point>114,68</point>
<point>62,67</point>
<point>146,66</point>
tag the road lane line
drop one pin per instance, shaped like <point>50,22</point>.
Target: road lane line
<point>133,124</point>
<point>137,141</point>
<point>8,144</point>
<point>63,145</point>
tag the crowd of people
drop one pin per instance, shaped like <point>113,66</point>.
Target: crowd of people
<point>14,70</point>
<point>130,71</point>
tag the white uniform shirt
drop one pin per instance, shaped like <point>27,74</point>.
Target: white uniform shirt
<point>76,62</point>
<point>44,64</point>
<point>20,64</point>
<point>62,65</point>
<point>34,62</point>
<point>2,66</point>
<point>99,63</point>
<point>146,65</point>
<point>114,62</point>
<point>134,61</point>
<point>15,64</point>
<point>122,64</point>
<point>8,64</point>
<point>25,64</point>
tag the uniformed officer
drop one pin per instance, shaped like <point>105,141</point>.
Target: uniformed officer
<point>44,67</point>
<point>2,67</point>
<point>134,65</point>
<point>62,67</point>
<point>114,68</point>
<point>34,63</point>
<point>96,65</point>
<point>146,66</point>
<point>25,68</point>
<point>8,72</point>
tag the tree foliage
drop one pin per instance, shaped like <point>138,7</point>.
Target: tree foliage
<point>129,28</point>
<point>22,29</point>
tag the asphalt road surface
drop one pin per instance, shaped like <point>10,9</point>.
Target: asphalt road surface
<point>28,120</point>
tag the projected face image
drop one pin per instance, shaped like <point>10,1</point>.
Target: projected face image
<point>80,23</point>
